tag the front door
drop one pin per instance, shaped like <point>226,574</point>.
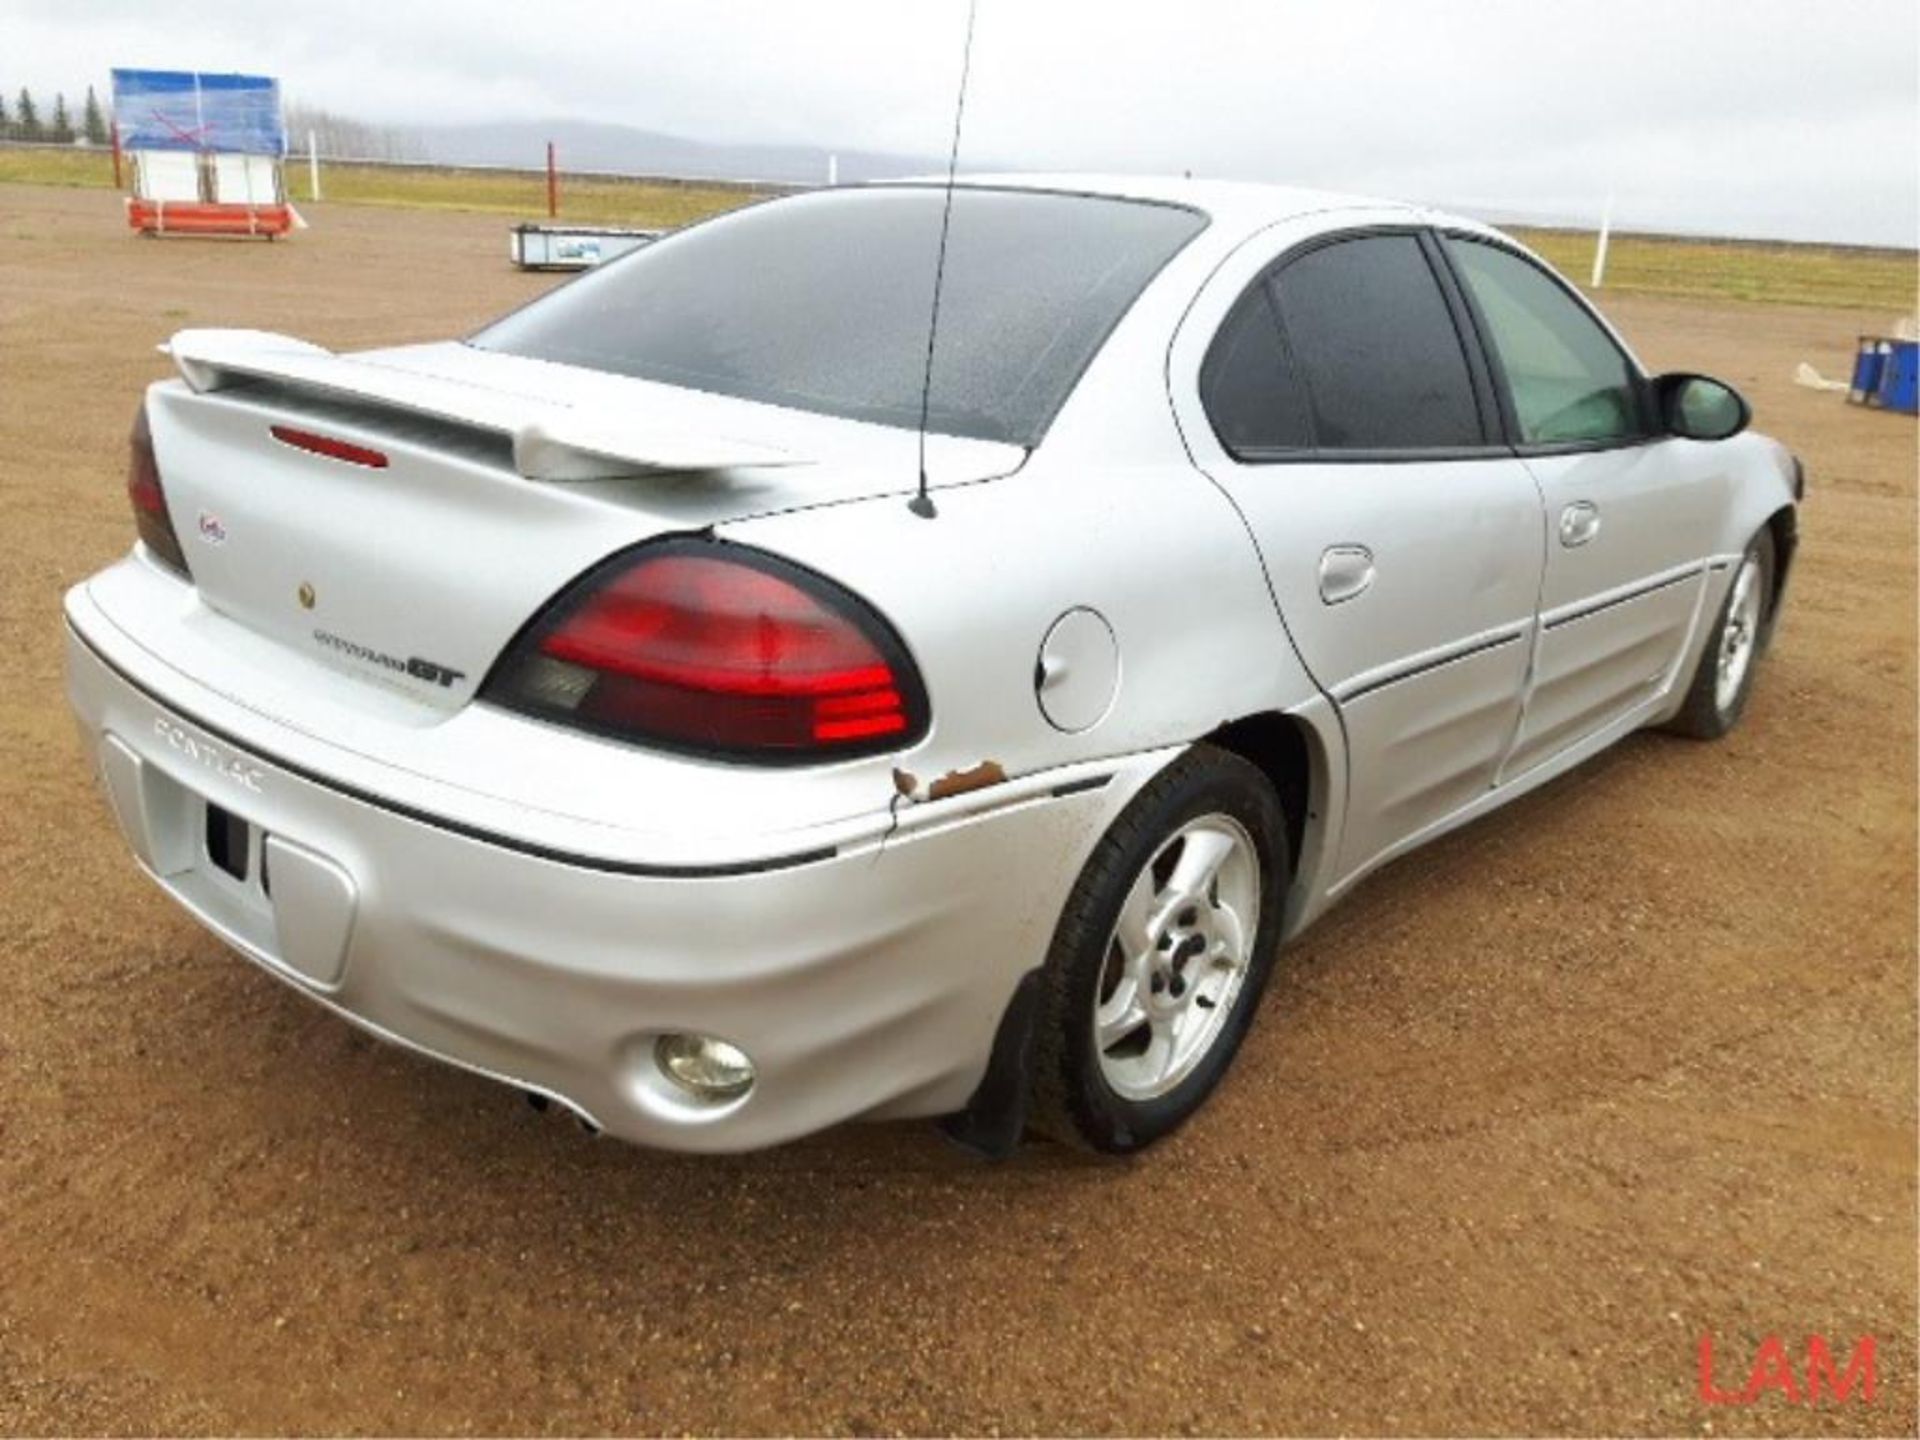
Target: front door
<point>1403,541</point>
<point>1629,512</point>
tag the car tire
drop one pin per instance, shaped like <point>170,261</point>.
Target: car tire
<point>1194,968</point>
<point>1724,680</point>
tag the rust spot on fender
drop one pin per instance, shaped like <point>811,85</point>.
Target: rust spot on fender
<point>905,781</point>
<point>959,782</point>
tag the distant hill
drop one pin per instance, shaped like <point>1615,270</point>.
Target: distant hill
<point>623,149</point>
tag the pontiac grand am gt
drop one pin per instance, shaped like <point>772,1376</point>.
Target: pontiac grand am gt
<point>620,704</point>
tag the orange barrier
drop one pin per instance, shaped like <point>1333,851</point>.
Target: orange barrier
<point>164,217</point>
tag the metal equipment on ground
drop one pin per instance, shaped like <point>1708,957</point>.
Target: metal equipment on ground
<point>206,151</point>
<point>572,247</point>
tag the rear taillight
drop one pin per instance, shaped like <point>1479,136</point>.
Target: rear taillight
<point>149,500</point>
<point>718,650</point>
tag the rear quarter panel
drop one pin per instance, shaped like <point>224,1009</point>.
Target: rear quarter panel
<point>1151,547</point>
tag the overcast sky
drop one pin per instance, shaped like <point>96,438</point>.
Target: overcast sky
<point>1763,117</point>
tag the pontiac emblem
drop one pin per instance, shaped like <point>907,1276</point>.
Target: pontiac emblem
<point>307,597</point>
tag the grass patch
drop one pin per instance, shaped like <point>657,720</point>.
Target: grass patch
<point>522,195</point>
<point>56,167</point>
<point>597,200</point>
<point>1739,269</point>
<point>1882,280</point>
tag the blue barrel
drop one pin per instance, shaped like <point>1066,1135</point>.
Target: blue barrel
<point>1900,377</point>
<point>1867,367</point>
<point>1886,375</point>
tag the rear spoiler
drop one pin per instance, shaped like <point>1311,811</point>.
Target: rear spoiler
<point>550,442</point>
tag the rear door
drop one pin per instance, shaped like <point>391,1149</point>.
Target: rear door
<point>1358,435</point>
<point>1630,513</point>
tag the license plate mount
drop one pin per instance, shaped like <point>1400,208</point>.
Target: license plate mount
<point>229,842</point>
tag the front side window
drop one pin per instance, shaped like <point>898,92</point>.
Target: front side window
<point>822,302</point>
<point>1376,348</point>
<point>1569,381</point>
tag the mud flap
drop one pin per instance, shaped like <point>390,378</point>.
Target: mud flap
<point>996,1114</point>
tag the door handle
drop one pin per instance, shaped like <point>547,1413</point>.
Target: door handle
<point>1579,523</point>
<point>1345,571</point>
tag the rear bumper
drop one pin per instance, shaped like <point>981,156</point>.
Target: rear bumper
<point>865,981</point>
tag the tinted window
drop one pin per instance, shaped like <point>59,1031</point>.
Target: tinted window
<point>1246,386</point>
<point>1567,378</point>
<point>821,302</point>
<point>1376,347</point>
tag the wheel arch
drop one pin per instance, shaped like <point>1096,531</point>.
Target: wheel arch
<point>1784,525</point>
<point>1304,757</point>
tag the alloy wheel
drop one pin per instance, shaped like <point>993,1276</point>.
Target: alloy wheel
<point>1177,959</point>
<point>1739,636</point>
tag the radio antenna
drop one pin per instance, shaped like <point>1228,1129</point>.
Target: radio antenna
<point>922,502</point>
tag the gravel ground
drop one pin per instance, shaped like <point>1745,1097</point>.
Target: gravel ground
<point>1630,1062</point>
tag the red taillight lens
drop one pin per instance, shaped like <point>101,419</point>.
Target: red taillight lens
<point>719,650</point>
<point>149,500</point>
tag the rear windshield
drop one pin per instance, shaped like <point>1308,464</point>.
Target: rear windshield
<point>821,302</point>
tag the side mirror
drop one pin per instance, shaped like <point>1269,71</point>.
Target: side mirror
<point>1698,407</point>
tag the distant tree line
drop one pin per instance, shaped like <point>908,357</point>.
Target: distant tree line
<point>21,119</point>
<point>339,136</point>
<point>344,138</point>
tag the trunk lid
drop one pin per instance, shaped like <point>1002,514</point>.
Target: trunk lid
<point>504,479</point>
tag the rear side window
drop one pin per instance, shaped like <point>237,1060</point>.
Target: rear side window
<point>821,302</point>
<point>1376,348</point>
<point>1247,386</point>
<point>1569,382</point>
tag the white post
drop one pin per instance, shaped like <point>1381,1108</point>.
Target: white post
<point>1600,247</point>
<point>833,171</point>
<point>313,167</point>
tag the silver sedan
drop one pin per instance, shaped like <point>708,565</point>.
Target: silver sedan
<point>718,701</point>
